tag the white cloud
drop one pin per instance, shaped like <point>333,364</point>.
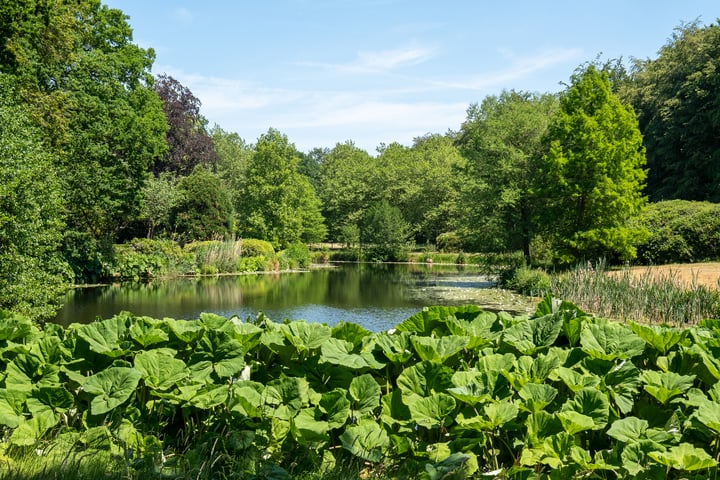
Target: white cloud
<point>380,61</point>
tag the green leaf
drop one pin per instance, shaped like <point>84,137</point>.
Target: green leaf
<point>592,403</point>
<point>541,425</point>
<point>457,465</point>
<point>663,386</point>
<point>636,460</point>
<point>534,334</point>
<point>708,413</point>
<point>186,331</point>
<point>610,341</point>
<point>12,406</point>
<point>628,429</point>
<point>684,457</point>
<point>424,379</point>
<point>305,336</point>
<point>537,396</point>
<point>574,422</point>
<point>210,396</point>
<point>335,405</point>
<point>365,393</point>
<point>482,331</point>
<point>433,411</point>
<point>500,413</point>
<point>106,337</point>
<point>224,353</point>
<point>28,433</point>
<point>291,392</point>
<point>307,430</point>
<point>111,387</point>
<point>438,349</point>
<point>145,331</point>
<point>246,398</point>
<point>366,440</point>
<point>339,352</point>
<point>26,372</point>
<point>396,347</point>
<point>160,371</point>
<point>429,318</point>
<point>472,393</point>
<point>623,383</point>
<point>350,332</point>
<point>660,337</point>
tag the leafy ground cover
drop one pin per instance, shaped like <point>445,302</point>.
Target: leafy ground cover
<point>452,392</point>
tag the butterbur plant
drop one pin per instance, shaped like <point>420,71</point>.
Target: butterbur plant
<point>451,392</point>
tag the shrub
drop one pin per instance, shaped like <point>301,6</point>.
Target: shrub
<point>529,281</point>
<point>449,242</point>
<point>295,256</point>
<point>254,248</point>
<point>144,258</point>
<point>680,231</point>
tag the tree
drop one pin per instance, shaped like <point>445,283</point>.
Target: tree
<point>593,173</point>
<point>161,196</point>
<point>204,211</point>
<point>278,203</point>
<point>347,186</point>
<point>502,142</point>
<point>677,100</point>
<point>384,232</point>
<point>33,274</point>
<point>88,86</point>
<point>233,160</point>
<point>187,138</point>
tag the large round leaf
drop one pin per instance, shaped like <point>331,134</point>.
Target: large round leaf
<point>111,388</point>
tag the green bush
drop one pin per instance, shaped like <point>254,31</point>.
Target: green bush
<point>529,281</point>
<point>681,231</point>
<point>449,242</point>
<point>255,248</point>
<point>252,264</point>
<point>144,258</point>
<point>295,256</point>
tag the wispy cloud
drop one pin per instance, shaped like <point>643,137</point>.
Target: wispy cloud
<point>379,61</point>
<point>519,67</point>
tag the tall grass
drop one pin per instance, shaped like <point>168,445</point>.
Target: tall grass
<point>652,296</point>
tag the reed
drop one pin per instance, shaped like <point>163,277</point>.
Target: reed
<point>654,297</point>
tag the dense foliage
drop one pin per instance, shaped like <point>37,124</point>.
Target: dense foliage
<point>450,393</point>
<point>593,173</point>
<point>502,141</point>
<point>677,99</point>
<point>681,231</point>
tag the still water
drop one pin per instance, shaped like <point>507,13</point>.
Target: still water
<point>376,296</point>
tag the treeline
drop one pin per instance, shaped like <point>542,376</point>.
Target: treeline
<point>96,151</point>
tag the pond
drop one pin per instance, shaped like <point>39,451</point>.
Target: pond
<point>376,296</point>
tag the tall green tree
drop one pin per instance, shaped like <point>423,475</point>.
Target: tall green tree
<point>502,142</point>
<point>677,100</point>
<point>90,87</point>
<point>278,203</point>
<point>233,159</point>
<point>593,173</point>
<point>204,210</point>
<point>347,186</point>
<point>33,274</point>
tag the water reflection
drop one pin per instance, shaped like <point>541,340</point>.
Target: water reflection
<point>377,296</point>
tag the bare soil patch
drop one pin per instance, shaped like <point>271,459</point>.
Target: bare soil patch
<point>683,274</point>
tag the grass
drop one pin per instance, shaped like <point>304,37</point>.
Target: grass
<point>652,297</point>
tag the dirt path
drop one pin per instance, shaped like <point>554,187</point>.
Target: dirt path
<point>707,274</point>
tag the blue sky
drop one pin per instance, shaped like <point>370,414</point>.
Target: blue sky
<point>382,71</point>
